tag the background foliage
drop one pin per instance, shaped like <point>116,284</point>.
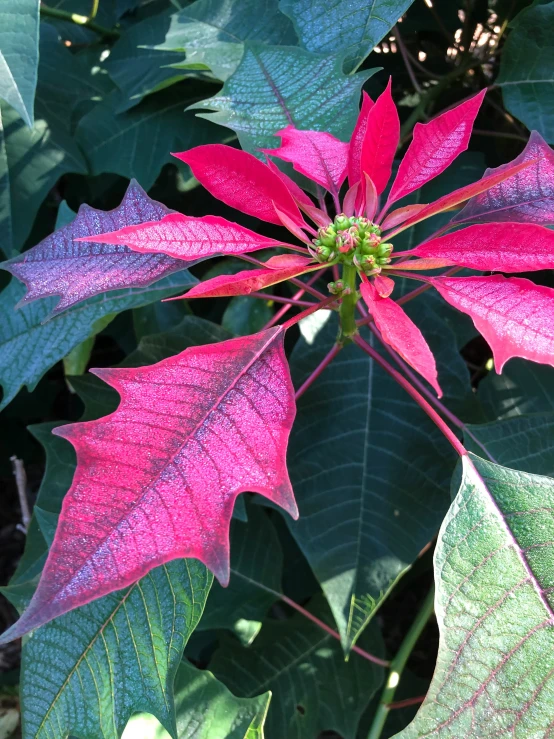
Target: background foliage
<point>94,94</point>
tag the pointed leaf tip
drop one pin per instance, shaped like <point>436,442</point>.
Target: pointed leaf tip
<point>515,316</point>
<point>401,333</point>
<point>188,238</point>
<point>315,154</point>
<point>241,181</point>
<point>434,147</point>
<point>157,479</point>
<point>381,139</point>
<point>62,265</point>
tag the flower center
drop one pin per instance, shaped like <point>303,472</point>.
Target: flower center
<point>352,240</point>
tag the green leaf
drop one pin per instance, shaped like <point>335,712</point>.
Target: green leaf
<point>523,442</point>
<point>313,688</point>
<point>371,476</point>
<point>522,388</point>
<point>212,32</point>
<point>274,87</point>
<point>29,347</point>
<point>353,27</point>
<point>205,710</point>
<point>138,142</point>
<point>39,156</point>
<point>139,71</point>
<point>256,564</point>
<point>100,663</point>
<point>19,21</point>
<point>526,71</point>
<point>246,315</point>
<point>494,604</point>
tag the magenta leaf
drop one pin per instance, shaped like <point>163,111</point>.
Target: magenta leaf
<point>317,155</point>
<point>188,238</point>
<point>356,141</point>
<point>241,181</point>
<point>434,147</point>
<point>495,247</point>
<point>452,199</point>
<point>527,197</point>
<point>158,478</point>
<point>401,333</point>
<point>381,140</point>
<point>60,265</point>
<point>515,316</point>
<point>297,193</point>
<point>251,280</point>
<point>400,215</point>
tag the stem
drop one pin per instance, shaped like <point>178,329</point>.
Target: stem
<point>406,58</point>
<point>94,9</point>
<point>428,394</point>
<point>311,617</point>
<point>21,485</point>
<point>318,370</point>
<point>415,394</point>
<point>348,327</point>
<point>308,312</point>
<point>80,20</point>
<point>279,299</point>
<point>398,663</point>
<point>281,312</point>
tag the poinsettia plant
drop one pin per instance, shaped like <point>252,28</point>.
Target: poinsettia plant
<point>158,479</point>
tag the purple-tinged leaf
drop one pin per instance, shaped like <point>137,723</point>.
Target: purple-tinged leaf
<point>61,265</point>
<point>157,479</point>
<point>187,238</point>
<point>515,316</point>
<point>526,197</point>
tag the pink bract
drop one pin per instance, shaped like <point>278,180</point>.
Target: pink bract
<point>401,333</point>
<point>515,316</point>
<point>381,139</point>
<point>158,478</point>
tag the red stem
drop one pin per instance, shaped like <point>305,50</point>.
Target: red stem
<point>279,299</point>
<point>415,394</point>
<point>406,702</point>
<point>318,370</point>
<point>428,394</point>
<point>281,312</point>
<point>305,313</point>
<point>334,634</point>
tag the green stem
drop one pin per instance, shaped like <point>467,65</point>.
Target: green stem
<point>80,20</point>
<point>347,312</point>
<point>398,663</point>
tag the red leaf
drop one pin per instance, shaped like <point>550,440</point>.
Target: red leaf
<point>157,479</point>
<point>434,147</point>
<point>459,196</point>
<point>515,316</point>
<point>381,140</point>
<point>188,238</point>
<point>319,156</point>
<point>401,333</point>
<point>400,215</point>
<point>241,181</point>
<point>384,285</point>
<point>527,197</point>
<point>297,193</point>
<point>76,271</point>
<point>495,247</point>
<point>355,151</point>
<point>248,281</point>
